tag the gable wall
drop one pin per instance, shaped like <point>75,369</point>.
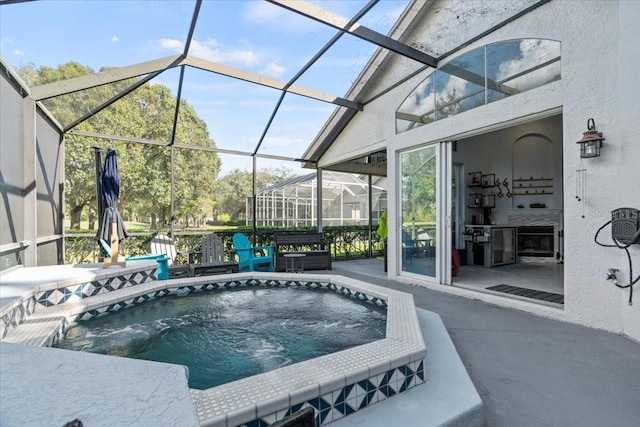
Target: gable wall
<point>599,80</point>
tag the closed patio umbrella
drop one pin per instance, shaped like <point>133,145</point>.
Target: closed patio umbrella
<point>112,228</point>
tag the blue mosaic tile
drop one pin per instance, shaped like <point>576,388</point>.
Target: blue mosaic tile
<point>96,288</point>
<point>319,403</point>
<point>145,276</point>
<point>232,284</point>
<point>420,370</point>
<point>43,298</point>
<point>30,305</point>
<point>408,378</point>
<point>379,301</point>
<point>322,416</point>
<point>354,397</point>
<point>78,291</point>
<point>140,299</point>
<point>294,409</point>
<point>342,396</point>
<point>66,294</point>
<point>292,283</point>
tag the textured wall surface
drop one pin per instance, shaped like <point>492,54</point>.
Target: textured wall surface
<point>599,81</point>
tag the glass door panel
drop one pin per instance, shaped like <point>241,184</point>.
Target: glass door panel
<point>417,229</point>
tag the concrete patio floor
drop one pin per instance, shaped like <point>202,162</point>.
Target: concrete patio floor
<point>529,370</point>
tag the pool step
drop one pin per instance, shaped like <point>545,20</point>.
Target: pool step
<point>47,324</point>
<point>43,328</point>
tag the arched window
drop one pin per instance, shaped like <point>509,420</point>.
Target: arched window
<point>483,75</point>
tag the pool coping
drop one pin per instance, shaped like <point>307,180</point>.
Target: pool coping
<point>275,393</point>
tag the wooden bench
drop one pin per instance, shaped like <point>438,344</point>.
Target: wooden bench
<point>310,243</point>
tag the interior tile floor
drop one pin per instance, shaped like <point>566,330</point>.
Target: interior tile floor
<point>544,274</point>
<point>540,274</point>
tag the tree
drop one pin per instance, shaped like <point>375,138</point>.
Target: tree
<point>146,113</point>
<point>419,186</point>
<point>235,186</point>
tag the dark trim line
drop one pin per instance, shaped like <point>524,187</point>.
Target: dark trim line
<point>192,27</point>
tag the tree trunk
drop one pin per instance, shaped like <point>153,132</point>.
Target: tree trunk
<point>92,220</point>
<point>76,212</point>
<point>154,222</point>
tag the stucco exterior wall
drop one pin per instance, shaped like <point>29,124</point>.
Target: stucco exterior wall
<point>600,61</point>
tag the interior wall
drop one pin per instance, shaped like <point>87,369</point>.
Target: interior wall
<point>493,153</point>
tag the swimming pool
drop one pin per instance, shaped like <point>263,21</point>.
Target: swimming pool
<point>335,385</point>
<point>224,336</point>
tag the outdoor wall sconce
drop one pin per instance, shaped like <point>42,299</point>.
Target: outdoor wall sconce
<point>591,141</point>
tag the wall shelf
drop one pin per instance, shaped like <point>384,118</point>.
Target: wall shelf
<point>533,188</point>
<point>532,179</point>
<point>533,194</point>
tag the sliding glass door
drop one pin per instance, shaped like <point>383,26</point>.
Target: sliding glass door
<point>424,229</point>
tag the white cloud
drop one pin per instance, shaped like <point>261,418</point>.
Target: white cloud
<point>18,52</point>
<point>213,51</point>
<point>172,44</point>
<point>274,70</point>
<point>115,39</point>
<point>532,53</point>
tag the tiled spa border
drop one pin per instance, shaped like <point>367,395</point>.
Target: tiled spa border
<point>76,291</point>
<point>334,385</point>
<point>212,285</point>
<point>62,290</point>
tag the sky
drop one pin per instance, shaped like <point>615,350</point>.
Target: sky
<point>253,36</point>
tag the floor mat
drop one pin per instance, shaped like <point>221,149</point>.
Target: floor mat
<point>528,293</point>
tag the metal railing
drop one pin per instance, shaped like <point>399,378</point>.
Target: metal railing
<point>347,242</point>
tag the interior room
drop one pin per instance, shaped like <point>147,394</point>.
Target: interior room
<point>508,231</point>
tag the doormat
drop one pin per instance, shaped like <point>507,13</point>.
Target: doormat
<point>528,293</point>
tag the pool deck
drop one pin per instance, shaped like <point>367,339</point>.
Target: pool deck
<point>527,370</point>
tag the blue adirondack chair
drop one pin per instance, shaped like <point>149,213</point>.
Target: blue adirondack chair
<point>252,258</point>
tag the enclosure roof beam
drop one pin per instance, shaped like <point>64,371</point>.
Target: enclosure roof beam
<point>167,143</point>
<point>360,168</point>
<point>112,75</point>
<point>235,73</point>
<point>110,101</point>
<point>336,21</point>
<point>192,27</point>
<point>308,65</point>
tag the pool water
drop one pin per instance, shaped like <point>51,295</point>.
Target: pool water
<point>225,336</point>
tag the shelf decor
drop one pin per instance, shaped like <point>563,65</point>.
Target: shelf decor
<point>475,179</point>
